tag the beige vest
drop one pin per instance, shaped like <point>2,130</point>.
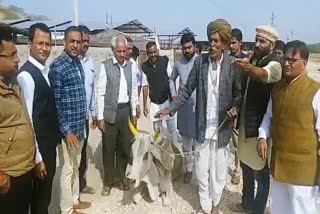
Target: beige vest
<point>17,140</point>
<point>294,156</point>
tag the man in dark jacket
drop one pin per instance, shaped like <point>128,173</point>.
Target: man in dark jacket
<point>218,89</point>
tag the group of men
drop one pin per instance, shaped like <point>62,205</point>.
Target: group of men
<point>222,93</point>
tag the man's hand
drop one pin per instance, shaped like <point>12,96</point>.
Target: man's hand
<point>102,125</point>
<point>232,113</point>
<point>138,111</point>
<point>72,141</point>
<point>94,122</point>
<point>242,63</point>
<point>5,182</point>
<point>40,170</point>
<point>162,113</point>
<point>262,148</point>
<point>146,111</point>
<point>134,121</point>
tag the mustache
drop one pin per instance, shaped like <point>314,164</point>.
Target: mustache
<point>211,49</point>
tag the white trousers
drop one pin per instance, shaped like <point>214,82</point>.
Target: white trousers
<point>211,169</point>
<point>293,199</point>
<point>171,126</point>
<point>187,147</point>
<point>70,193</point>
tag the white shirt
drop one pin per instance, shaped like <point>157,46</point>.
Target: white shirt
<point>89,74</point>
<point>264,129</point>
<point>141,77</point>
<point>123,89</point>
<point>138,74</point>
<point>213,101</point>
<point>27,85</point>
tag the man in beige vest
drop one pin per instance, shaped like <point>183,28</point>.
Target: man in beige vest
<point>292,121</point>
<point>17,141</point>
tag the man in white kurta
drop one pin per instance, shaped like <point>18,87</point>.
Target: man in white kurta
<point>218,91</point>
<point>292,120</point>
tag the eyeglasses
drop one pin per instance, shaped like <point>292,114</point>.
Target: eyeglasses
<point>291,60</point>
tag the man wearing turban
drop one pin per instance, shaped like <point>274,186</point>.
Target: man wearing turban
<point>218,98</point>
<point>260,72</point>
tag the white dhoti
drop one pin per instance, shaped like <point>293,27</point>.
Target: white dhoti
<point>293,199</point>
<point>211,169</point>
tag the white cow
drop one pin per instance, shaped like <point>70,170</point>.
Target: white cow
<point>153,168</point>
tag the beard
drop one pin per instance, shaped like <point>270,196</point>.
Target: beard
<point>260,53</point>
<point>188,56</point>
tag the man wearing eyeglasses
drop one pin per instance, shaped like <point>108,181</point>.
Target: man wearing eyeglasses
<point>260,72</point>
<point>292,121</point>
<point>17,140</point>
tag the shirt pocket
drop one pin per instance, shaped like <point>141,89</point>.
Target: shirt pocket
<point>7,138</point>
<point>72,78</point>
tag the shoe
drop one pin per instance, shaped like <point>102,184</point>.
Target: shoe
<point>82,205</point>
<point>88,190</point>
<point>106,191</point>
<point>238,208</point>
<point>187,177</point>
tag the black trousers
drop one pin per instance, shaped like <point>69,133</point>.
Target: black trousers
<point>18,198</point>
<point>256,204</point>
<point>41,192</point>
<point>83,162</point>
<point>116,146</point>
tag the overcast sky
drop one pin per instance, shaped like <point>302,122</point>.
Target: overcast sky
<point>296,19</point>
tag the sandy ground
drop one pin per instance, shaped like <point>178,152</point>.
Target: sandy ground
<point>185,199</point>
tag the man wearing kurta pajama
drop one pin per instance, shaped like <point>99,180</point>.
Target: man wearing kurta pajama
<point>186,114</point>
<point>218,94</point>
<point>292,121</point>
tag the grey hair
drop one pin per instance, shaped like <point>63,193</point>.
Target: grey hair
<point>116,39</point>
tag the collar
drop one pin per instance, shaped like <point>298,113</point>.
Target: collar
<point>67,57</point>
<point>210,62</point>
<point>115,61</point>
<point>36,63</point>
<point>295,79</point>
<point>183,58</point>
<point>84,58</point>
<point>131,60</point>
